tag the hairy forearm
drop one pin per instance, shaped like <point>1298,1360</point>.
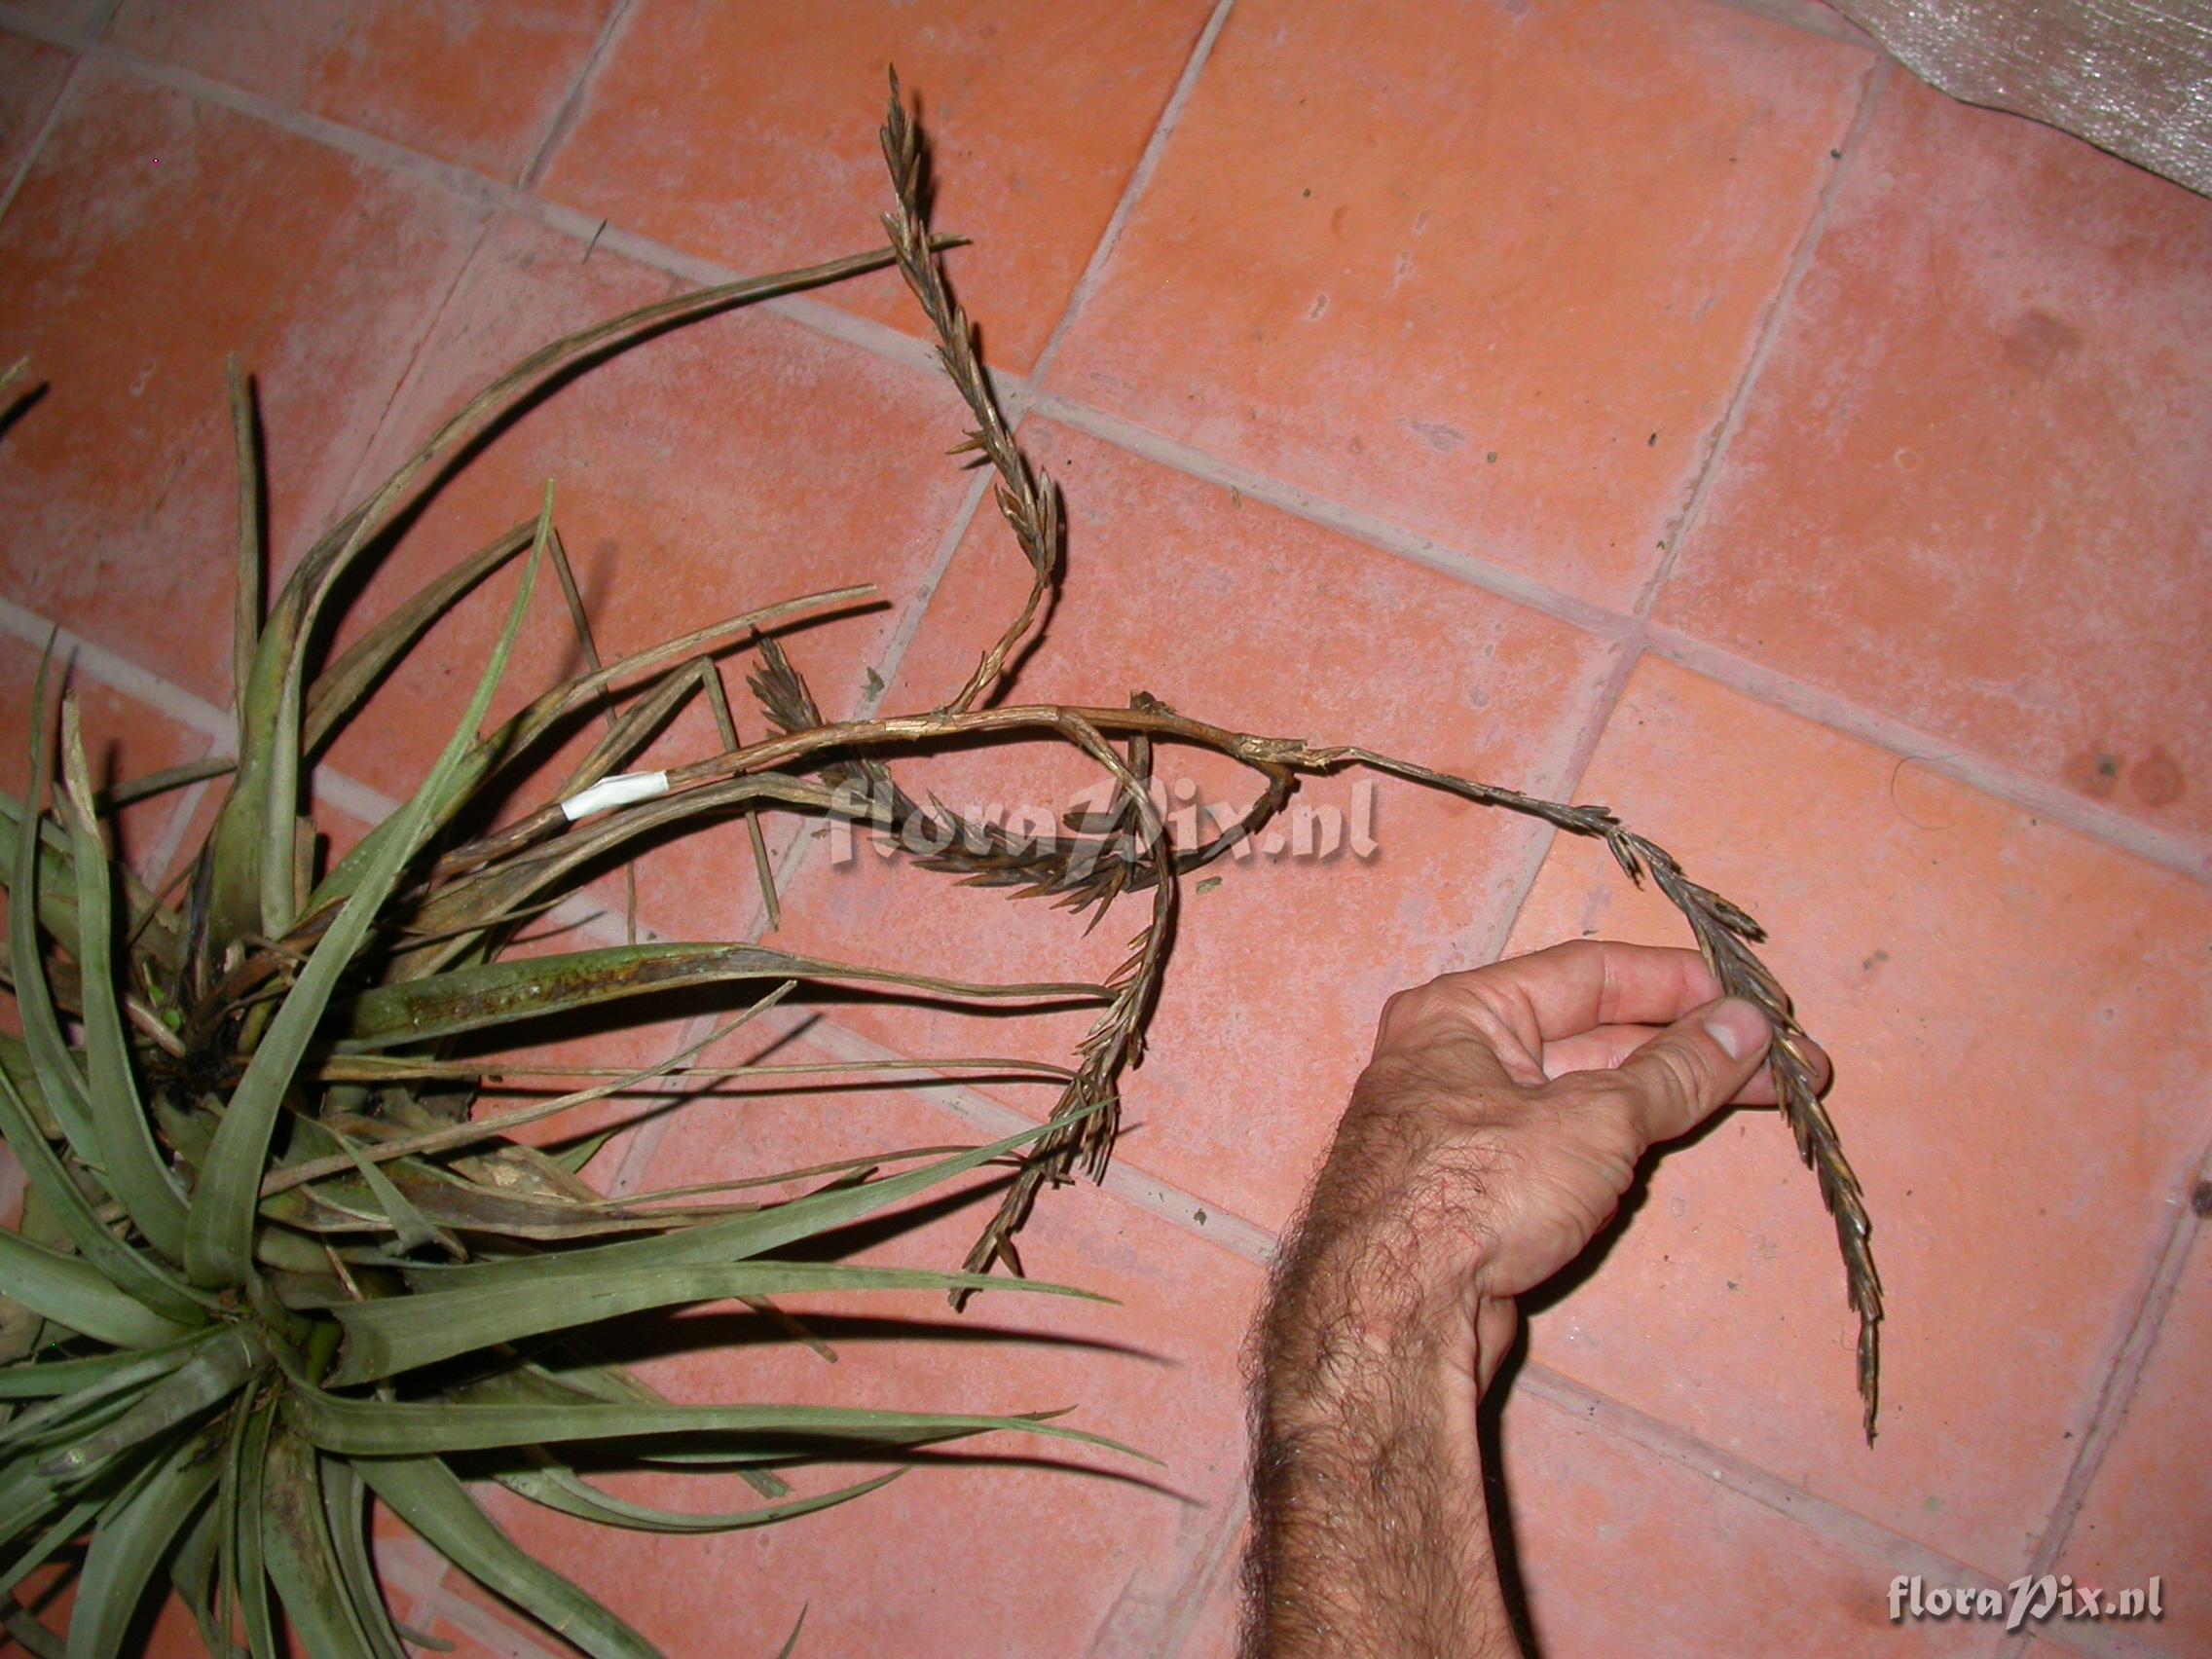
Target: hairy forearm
<point>1369,1530</point>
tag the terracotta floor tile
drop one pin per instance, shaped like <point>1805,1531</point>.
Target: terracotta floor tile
<point>2149,1508</point>
<point>1492,276</point>
<point>1970,488</point>
<point>1236,613</point>
<point>153,237</point>
<point>1212,1633</point>
<point>1621,1550</point>
<point>920,1567</point>
<point>478,85</point>
<point>481,1626</point>
<point>717,470</point>
<point>124,740</point>
<point>63,13</point>
<point>747,132</point>
<point>2019,1044</point>
<point>32,75</point>
<point>1615,1548</point>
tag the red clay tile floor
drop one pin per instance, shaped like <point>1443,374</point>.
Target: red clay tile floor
<point>1664,402</point>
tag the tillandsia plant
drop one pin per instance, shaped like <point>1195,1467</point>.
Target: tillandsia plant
<point>277,1256</point>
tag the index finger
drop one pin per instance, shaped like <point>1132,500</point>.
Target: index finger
<point>1567,989</point>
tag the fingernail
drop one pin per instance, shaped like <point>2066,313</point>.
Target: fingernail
<point>1739,1027</point>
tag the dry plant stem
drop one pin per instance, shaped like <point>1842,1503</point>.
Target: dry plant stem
<point>1026,498</point>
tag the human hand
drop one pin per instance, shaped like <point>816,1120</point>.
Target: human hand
<point>1492,1136</point>
<point>1505,1110</point>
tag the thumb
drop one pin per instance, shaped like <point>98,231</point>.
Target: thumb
<point>1682,1075</point>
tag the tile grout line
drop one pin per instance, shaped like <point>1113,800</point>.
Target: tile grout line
<point>15,20</point>
<point>1011,390</point>
<point>570,106</point>
<point>1770,331</point>
<point>1807,17</point>
<point>2117,1394</point>
<point>1583,751</point>
<point>351,490</point>
<point>1140,180</point>
<point>117,672</point>
<point>162,855</point>
<point>1175,1634</point>
<point>425,1574</point>
<point>1907,743</point>
<point>1352,521</point>
<point>63,97</point>
<point>2163,848</point>
<point>1832,1521</point>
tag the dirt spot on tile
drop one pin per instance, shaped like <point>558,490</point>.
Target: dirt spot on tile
<point>1438,436</point>
<point>2156,780</point>
<point>2094,772</point>
<point>2037,341</point>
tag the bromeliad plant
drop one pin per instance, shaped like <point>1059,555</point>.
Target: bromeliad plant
<point>271,1264</point>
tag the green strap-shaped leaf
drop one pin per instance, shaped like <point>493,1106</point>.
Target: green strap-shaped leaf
<point>192,1574</point>
<point>496,993</point>
<point>129,1546</point>
<point>143,1278</point>
<point>73,1293</point>
<point>57,884</point>
<point>245,1579</point>
<point>41,1549</point>
<point>345,1503</point>
<point>16,1065</point>
<point>401,1333</point>
<point>27,1498</point>
<point>219,1237</point>
<point>128,1159</point>
<point>58,1079</point>
<point>504,888</point>
<point>428,1496</point>
<point>731,1241</point>
<point>380,1428</point>
<point>347,680</point>
<point>215,1370</point>
<point>131,1370</point>
<point>296,1543</point>
<point>33,1380</point>
<point>557,1487</point>
<point>32,1636</point>
<point>246,604</point>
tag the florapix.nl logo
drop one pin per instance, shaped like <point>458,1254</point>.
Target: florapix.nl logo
<point>1095,824</point>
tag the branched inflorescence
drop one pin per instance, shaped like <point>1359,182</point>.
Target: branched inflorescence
<point>1087,875</point>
